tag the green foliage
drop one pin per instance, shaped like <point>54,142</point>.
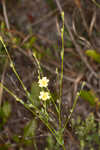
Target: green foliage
<point>29,44</point>
<point>5,112</point>
<point>4,146</point>
<point>29,129</point>
<point>6,108</point>
<point>16,139</point>
<point>90,97</point>
<point>15,41</point>
<point>87,132</point>
<point>59,137</point>
<point>51,145</point>
<point>94,55</point>
<point>28,134</point>
<point>2,50</point>
<point>35,92</point>
<point>50,142</point>
<point>2,58</point>
<point>39,96</point>
<point>2,26</point>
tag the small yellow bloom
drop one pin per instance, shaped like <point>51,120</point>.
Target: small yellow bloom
<point>44,95</point>
<point>43,82</point>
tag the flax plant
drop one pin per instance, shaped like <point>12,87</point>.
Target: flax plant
<point>45,95</point>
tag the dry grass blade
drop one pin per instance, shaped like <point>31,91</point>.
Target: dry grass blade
<point>87,43</point>
<point>92,23</point>
<point>5,14</point>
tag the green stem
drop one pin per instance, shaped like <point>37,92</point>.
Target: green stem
<point>39,67</point>
<point>74,105</point>
<point>62,61</point>
<point>63,146</point>
<point>5,48</point>
<point>11,93</point>
<point>53,101</point>
<point>14,70</point>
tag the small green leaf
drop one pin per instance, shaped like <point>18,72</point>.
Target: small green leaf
<point>2,26</point>
<point>94,55</point>
<point>89,96</point>
<point>16,139</point>
<point>32,41</point>
<point>16,40</point>
<point>5,111</point>
<point>35,92</point>
<point>6,108</point>
<point>50,141</point>
<point>59,137</point>
<point>29,129</point>
<point>29,44</point>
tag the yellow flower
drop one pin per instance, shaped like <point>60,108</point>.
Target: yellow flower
<point>44,95</point>
<point>43,82</point>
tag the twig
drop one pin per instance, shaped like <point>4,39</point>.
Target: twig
<point>92,23</point>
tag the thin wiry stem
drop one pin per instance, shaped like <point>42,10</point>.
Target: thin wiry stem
<point>62,61</point>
